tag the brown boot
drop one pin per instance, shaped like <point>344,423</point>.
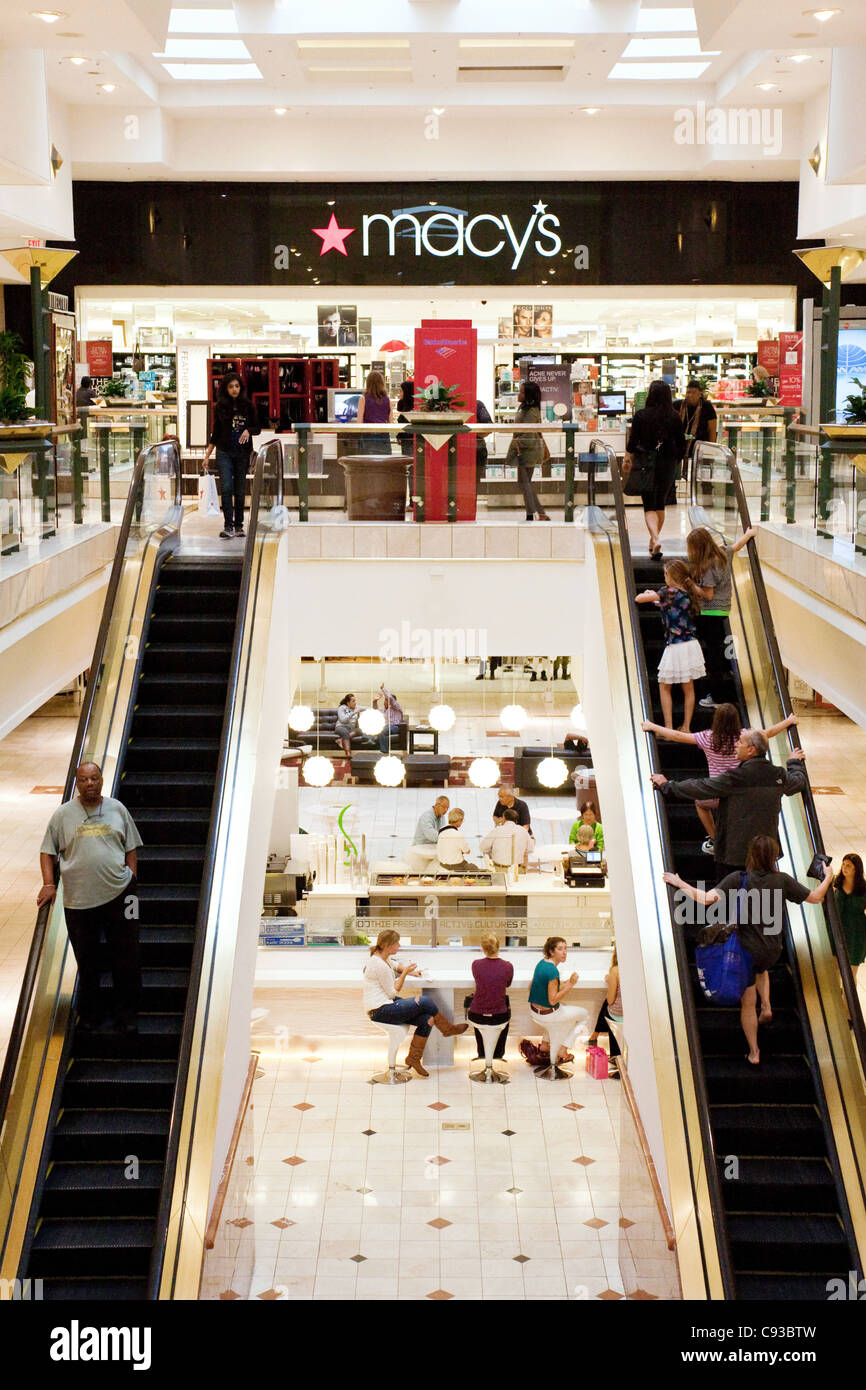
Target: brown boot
<point>446,1027</point>
<point>415,1053</point>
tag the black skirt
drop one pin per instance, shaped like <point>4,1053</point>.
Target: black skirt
<point>663,492</point>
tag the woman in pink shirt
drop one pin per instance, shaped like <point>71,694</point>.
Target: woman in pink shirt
<point>717,745</point>
<point>489,1004</point>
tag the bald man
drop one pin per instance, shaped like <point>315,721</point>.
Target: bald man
<point>94,839</point>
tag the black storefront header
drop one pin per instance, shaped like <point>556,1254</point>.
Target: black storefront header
<point>498,234</point>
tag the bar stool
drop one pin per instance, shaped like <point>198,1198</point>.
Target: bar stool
<point>489,1034</point>
<point>557,1029</point>
<point>396,1035</point>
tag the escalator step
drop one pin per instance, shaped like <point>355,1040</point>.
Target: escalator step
<point>191,628</point>
<point>101,1189</point>
<point>94,1290</point>
<point>788,1288</point>
<point>746,1130</point>
<point>779,1079</point>
<point>188,573</point>
<point>721,1033</point>
<point>176,826</point>
<point>163,658</point>
<point>192,790</point>
<point>171,688</point>
<point>170,864</point>
<point>176,904</point>
<point>216,600</point>
<point>110,1135</point>
<point>124,1082</point>
<point>158,1037</point>
<point>779,1184</point>
<point>187,721</point>
<point>103,1247</point>
<point>808,1244</point>
<point>171,754</point>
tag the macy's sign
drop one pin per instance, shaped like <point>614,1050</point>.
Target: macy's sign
<point>446,232</point>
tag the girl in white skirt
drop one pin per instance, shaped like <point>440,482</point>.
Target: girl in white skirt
<point>682,661</point>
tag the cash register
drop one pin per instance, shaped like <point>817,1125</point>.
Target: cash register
<point>584,868</point>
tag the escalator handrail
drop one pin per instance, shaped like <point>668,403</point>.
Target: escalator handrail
<point>830,907</point>
<point>273,446</point>
<point>31,970</point>
<point>600,446</point>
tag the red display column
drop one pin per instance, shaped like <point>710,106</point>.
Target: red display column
<point>446,350</point>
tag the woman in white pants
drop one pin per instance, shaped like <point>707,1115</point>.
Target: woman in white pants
<point>547,992</point>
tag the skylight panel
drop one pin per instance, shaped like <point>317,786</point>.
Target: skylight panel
<point>213,72</point>
<point>204,48</point>
<point>667,48</point>
<point>657,72</point>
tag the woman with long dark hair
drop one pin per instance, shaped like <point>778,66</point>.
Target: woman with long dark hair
<point>850,886</point>
<point>527,450</point>
<point>234,424</point>
<point>657,434</point>
<point>374,408</point>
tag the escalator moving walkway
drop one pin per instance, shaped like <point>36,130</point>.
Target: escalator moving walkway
<point>783,1206</point>
<point>93,1223</point>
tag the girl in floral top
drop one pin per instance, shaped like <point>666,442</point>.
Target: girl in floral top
<point>682,660</point>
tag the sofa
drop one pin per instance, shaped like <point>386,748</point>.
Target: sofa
<point>420,767</point>
<point>322,733</point>
<point>526,762</point>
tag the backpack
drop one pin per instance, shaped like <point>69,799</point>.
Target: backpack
<point>725,967</point>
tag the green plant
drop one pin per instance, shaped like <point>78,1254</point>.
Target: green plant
<point>758,388</point>
<point>15,368</point>
<point>855,406</point>
<point>114,388</point>
<point>441,397</point>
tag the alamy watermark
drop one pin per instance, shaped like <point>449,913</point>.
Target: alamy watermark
<point>752,126</point>
<point>432,643</point>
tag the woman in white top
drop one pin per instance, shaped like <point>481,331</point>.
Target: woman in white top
<point>382,984</point>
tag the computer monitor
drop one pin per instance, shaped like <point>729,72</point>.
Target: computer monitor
<point>343,405</point>
<point>611,403</point>
<point>593,856</point>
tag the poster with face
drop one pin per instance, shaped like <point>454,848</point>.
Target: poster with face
<point>365,332</point>
<point>338,325</point>
<point>505,329</point>
<point>543,321</point>
<point>523,320</point>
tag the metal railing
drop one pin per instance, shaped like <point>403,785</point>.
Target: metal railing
<point>44,487</point>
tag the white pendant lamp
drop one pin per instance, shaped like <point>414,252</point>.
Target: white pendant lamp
<point>483,772</point>
<point>577,716</point>
<point>389,771</point>
<point>318,771</point>
<point>371,722</point>
<point>512,717</point>
<point>441,718</point>
<point>552,772</point>
<point>301,718</point>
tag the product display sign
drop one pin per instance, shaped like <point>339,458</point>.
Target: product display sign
<point>791,369</point>
<point>365,332</point>
<point>99,358</point>
<point>338,325</point>
<point>446,353</point>
<point>557,394</point>
<point>768,357</point>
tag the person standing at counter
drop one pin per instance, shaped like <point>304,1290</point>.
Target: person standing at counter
<point>699,418</point>
<point>374,408</point>
<point>489,1004</point>
<point>587,817</point>
<point>382,984</point>
<point>424,848</point>
<point>547,991</point>
<point>509,802</point>
<point>234,424</point>
<point>508,842</point>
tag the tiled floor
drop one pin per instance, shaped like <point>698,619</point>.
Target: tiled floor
<point>439,1189</point>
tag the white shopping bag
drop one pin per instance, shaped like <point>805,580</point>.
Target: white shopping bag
<point>208,501</point>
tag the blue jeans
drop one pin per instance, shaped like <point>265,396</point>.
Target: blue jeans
<point>388,736</point>
<point>407,1011</point>
<point>233,482</point>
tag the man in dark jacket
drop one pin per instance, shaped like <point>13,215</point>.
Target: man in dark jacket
<point>750,797</point>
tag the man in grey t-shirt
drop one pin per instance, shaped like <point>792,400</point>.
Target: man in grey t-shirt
<point>95,840</point>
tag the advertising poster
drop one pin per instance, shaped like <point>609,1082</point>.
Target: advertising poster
<point>542,321</point>
<point>338,325</point>
<point>557,394</point>
<point>768,356</point>
<point>851,363</point>
<point>523,320</point>
<point>365,332</point>
<point>790,368</point>
<point>531,321</point>
<point>505,329</point>
<point>98,354</point>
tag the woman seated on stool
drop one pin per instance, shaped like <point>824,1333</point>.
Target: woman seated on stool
<point>611,1009</point>
<point>547,990</point>
<point>382,984</point>
<point>489,1004</point>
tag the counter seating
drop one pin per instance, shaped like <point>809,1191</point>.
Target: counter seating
<point>322,733</point>
<point>526,762</point>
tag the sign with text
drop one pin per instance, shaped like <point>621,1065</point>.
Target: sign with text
<point>446,351</point>
<point>790,368</point>
<point>557,395</point>
<point>98,352</point>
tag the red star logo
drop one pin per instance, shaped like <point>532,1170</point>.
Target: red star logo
<point>333,236</point>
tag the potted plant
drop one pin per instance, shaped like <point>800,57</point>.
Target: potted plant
<point>440,397</point>
<point>854,408</point>
<point>114,389</point>
<point>15,369</point>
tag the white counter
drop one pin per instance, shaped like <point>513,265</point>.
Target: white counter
<point>444,967</point>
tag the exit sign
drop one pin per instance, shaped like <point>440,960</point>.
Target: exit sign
<point>35,243</point>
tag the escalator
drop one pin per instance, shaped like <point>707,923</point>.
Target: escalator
<point>103,1184</point>
<point>782,1143</point>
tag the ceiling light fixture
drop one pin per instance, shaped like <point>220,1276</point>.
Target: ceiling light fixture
<point>815,160</point>
<point>389,771</point>
<point>441,718</point>
<point>48,16</point>
<point>512,718</point>
<point>438,110</point>
<point>483,772</point>
<point>821,15</point>
<point>107,87</point>
<point>301,718</point>
<point>77,60</point>
<point>280,110</point>
<point>801,57</point>
<point>552,772</point>
<point>766,86</point>
<point>318,771</point>
<point>371,722</point>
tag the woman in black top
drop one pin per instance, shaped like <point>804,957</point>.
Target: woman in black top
<point>657,427</point>
<point>406,439</point>
<point>234,424</point>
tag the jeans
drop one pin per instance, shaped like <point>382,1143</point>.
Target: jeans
<point>492,1019</point>
<point>407,1011</point>
<point>388,736</point>
<point>85,927</point>
<point>601,1026</point>
<point>233,482</point>
<point>530,497</point>
<point>713,637</point>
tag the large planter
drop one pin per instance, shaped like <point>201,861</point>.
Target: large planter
<point>375,486</point>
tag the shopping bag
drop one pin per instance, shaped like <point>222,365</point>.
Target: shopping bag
<point>596,1063</point>
<point>208,500</point>
<point>724,966</point>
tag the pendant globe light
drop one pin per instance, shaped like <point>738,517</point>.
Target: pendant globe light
<point>483,772</point>
<point>301,718</point>
<point>441,718</point>
<point>513,718</point>
<point>552,772</point>
<point>389,771</point>
<point>318,771</point>
<point>371,722</point>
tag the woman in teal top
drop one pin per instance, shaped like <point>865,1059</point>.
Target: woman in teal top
<point>547,991</point>
<point>587,817</point>
<point>850,886</point>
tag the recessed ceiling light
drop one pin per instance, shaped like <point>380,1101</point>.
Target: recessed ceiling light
<point>438,110</point>
<point>280,110</point>
<point>331,202</point>
<point>107,87</point>
<point>48,16</point>
<point>766,86</point>
<point>821,15</point>
<point>801,57</point>
<point>516,43</point>
<point>76,60</point>
<point>590,110</point>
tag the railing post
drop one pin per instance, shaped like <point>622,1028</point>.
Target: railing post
<point>569,474</point>
<point>77,481</point>
<point>767,437</point>
<point>105,473</point>
<point>303,433</point>
<point>420,476</point>
<point>452,477</point>
<point>790,469</point>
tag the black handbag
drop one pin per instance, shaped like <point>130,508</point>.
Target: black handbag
<point>641,477</point>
